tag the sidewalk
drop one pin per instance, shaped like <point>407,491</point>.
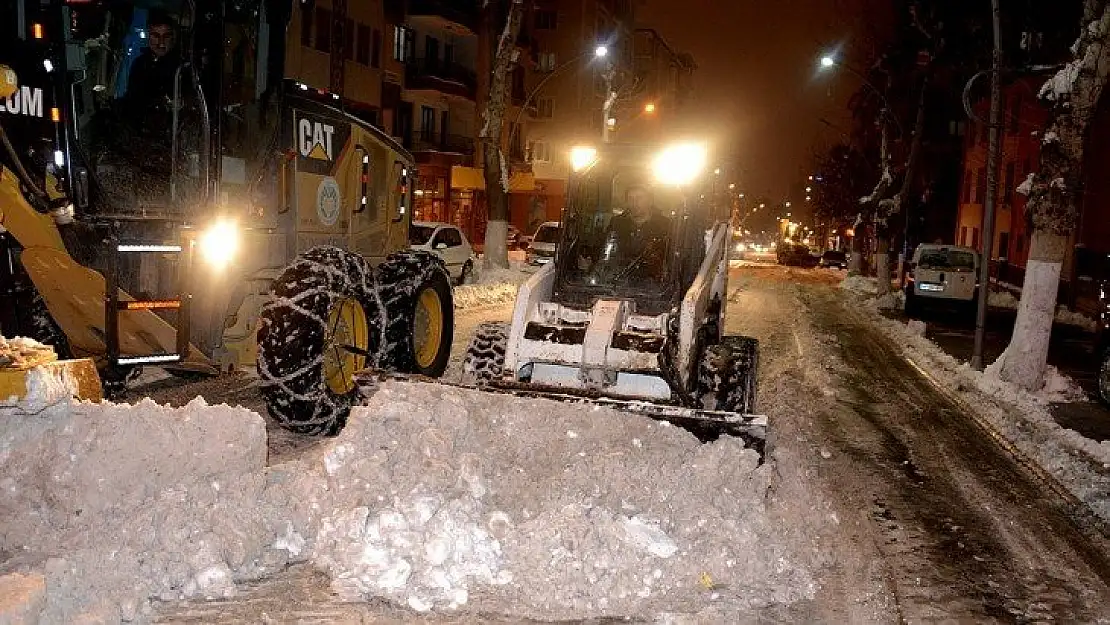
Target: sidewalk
<point>1070,351</point>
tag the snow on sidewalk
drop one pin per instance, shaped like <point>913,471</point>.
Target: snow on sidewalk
<point>432,497</point>
<point>492,287</point>
<point>1023,418</point>
<point>1005,299</point>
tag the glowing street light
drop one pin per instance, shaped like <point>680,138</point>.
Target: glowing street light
<point>731,186</point>
<point>717,171</point>
<point>649,107</point>
<point>601,51</point>
<point>787,205</point>
<point>827,61</point>
<point>808,189</point>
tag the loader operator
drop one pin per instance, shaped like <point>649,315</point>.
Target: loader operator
<point>149,98</point>
<point>640,226</point>
<point>634,244</point>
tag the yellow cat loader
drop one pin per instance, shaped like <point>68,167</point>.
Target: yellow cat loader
<point>168,197</point>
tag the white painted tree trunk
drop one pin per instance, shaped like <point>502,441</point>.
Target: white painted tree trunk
<point>1024,359</point>
<point>855,258</point>
<point>505,55</point>
<point>1055,195</point>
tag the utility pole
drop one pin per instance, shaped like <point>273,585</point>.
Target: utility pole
<point>992,186</point>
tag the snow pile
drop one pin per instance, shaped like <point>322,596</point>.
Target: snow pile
<point>492,286</point>
<point>24,353</point>
<point>1022,418</point>
<point>1073,318</point>
<point>1002,299</point>
<point>114,504</point>
<point>1059,388</point>
<point>440,497</point>
<point>860,284</point>
<point>892,300</point>
<point>1005,299</point>
<point>432,497</point>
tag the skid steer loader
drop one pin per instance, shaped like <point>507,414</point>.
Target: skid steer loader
<point>218,214</point>
<point>630,315</point>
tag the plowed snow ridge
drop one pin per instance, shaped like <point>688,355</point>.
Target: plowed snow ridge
<point>433,497</point>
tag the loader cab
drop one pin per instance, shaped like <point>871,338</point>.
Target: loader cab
<point>628,234</point>
<point>140,112</point>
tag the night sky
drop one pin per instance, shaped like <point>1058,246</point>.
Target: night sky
<point>757,86</point>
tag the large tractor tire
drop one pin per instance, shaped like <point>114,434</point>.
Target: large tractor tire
<point>485,355</point>
<point>316,332</point>
<point>414,294</point>
<point>727,375</point>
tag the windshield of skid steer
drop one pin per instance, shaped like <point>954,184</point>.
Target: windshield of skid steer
<point>620,232</point>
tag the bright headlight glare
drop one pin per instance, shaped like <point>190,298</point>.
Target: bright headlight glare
<point>680,164</point>
<point>582,157</point>
<point>219,243</point>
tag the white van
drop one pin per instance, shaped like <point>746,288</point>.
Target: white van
<point>942,273</point>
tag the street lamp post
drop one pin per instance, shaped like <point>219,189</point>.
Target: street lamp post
<point>598,52</point>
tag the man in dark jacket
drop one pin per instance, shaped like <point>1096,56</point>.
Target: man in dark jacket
<point>149,98</point>
<point>640,226</point>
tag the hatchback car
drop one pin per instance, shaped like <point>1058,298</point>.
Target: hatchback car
<point>542,248</point>
<point>942,274</point>
<point>834,258</point>
<point>447,242</point>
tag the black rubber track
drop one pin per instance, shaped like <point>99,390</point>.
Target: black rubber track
<point>485,355</point>
<point>727,375</point>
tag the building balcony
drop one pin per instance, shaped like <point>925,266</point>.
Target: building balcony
<point>439,142</point>
<point>456,16</point>
<point>436,75</point>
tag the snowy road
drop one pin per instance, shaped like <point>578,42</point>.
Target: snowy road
<point>937,517</point>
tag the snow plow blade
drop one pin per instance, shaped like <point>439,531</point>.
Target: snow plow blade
<point>705,424</point>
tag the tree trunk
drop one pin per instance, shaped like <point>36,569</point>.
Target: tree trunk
<point>1023,361</point>
<point>855,259</point>
<point>495,168</point>
<point>1055,193</point>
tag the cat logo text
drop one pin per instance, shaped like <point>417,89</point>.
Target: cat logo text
<point>315,140</point>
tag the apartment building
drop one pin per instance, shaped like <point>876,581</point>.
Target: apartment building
<point>567,91</point>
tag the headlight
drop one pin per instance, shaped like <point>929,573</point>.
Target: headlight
<point>582,157</point>
<point>219,243</point>
<point>680,164</point>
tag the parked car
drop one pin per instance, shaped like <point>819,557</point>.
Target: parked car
<point>542,248</point>
<point>942,274</point>
<point>447,242</point>
<point>834,258</point>
<point>795,254</point>
<point>1092,298</point>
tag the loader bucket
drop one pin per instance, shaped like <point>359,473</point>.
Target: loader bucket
<point>73,378</point>
<point>705,424</point>
<point>74,295</point>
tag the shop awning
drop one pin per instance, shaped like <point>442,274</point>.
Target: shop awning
<point>522,182</point>
<point>473,179</point>
<point>467,178</point>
